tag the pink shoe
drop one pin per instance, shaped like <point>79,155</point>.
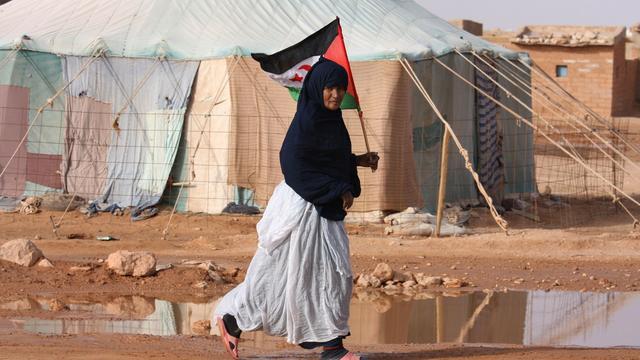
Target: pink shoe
<point>351,356</point>
<point>230,342</point>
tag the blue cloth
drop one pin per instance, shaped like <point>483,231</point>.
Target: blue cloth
<point>316,157</point>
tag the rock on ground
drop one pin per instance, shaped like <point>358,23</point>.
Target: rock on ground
<point>57,305</point>
<point>21,251</point>
<point>201,327</point>
<point>128,263</point>
<point>424,280</point>
<point>44,262</point>
<point>383,271</point>
<point>367,280</point>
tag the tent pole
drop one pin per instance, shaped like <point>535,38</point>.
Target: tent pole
<point>502,223</point>
<point>442,188</point>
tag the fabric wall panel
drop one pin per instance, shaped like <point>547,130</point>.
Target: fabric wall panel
<point>44,170</point>
<point>455,100</point>
<point>262,111</point>
<point>152,96</point>
<point>39,157</point>
<point>14,105</point>
<point>518,142</point>
<point>42,74</point>
<point>88,135</point>
<point>204,158</point>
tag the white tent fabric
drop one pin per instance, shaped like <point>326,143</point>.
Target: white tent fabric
<point>145,139</point>
<point>201,29</point>
<point>203,158</point>
<point>226,146</point>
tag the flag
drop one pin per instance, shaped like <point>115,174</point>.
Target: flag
<point>290,66</point>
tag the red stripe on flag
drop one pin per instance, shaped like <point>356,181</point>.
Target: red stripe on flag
<point>337,52</point>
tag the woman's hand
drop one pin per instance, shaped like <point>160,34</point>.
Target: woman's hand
<point>347,200</point>
<point>369,160</point>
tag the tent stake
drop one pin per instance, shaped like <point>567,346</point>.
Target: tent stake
<point>502,223</point>
<point>442,188</point>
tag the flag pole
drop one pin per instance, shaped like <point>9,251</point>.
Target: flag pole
<point>355,93</point>
<point>364,132</point>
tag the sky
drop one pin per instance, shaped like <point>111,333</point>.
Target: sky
<point>513,14</point>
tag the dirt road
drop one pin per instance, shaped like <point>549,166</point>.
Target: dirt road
<point>602,256</point>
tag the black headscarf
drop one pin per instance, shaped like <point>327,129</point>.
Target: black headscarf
<point>316,157</point>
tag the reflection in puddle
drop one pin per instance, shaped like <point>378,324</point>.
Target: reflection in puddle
<point>528,318</point>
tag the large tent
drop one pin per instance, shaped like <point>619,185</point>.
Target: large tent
<point>115,100</point>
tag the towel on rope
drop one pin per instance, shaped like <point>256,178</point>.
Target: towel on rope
<point>490,163</point>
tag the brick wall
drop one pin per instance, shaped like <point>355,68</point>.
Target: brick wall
<point>469,26</point>
<point>624,78</point>
<point>590,72</point>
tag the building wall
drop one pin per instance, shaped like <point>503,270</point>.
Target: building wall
<point>469,26</point>
<point>590,72</point>
<point>624,78</point>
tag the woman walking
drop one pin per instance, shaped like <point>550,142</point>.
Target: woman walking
<point>299,282</point>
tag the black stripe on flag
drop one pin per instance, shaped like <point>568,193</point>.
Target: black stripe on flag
<point>314,45</point>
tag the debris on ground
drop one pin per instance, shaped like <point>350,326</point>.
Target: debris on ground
<point>216,274</point>
<point>9,204</point>
<point>73,236</point>
<point>106,238</point>
<point>56,201</point>
<point>393,282</point>
<point>80,268</point>
<point>141,213</point>
<point>233,208</point>
<point>416,222</point>
<point>97,207</point>
<point>30,205</point>
<point>363,218</point>
<point>163,267</point>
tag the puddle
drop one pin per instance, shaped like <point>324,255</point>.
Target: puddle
<point>527,318</point>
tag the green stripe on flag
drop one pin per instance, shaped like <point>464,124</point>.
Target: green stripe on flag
<point>294,92</point>
<point>349,102</point>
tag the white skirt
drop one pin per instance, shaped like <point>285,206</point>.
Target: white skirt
<point>299,282</point>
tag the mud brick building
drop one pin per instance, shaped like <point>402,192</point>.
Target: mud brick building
<point>469,26</point>
<point>592,63</point>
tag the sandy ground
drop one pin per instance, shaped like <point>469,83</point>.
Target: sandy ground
<point>601,255</point>
<point>588,247</point>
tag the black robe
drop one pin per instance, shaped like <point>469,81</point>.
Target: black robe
<point>316,157</point>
